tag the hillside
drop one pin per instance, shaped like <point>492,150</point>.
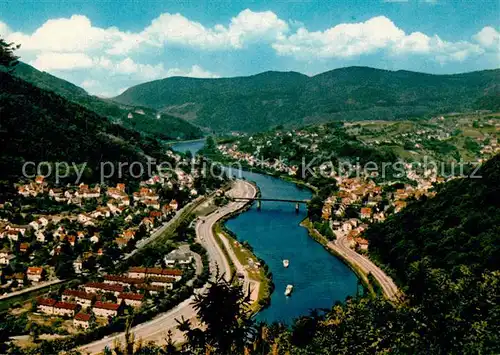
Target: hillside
<point>47,81</point>
<point>167,127</point>
<point>460,226</point>
<point>259,102</point>
<point>444,253</point>
<point>38,125</point>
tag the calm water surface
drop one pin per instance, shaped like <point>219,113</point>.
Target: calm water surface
<point>319,279</point>
<point>192,146</point>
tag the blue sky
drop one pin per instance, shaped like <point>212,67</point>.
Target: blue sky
<point>107,46</point>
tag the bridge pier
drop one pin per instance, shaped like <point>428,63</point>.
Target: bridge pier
<point>259,204</point>
<point>297,207</point>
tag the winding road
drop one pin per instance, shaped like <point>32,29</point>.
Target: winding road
<point>341,246</point>
<point>157,328</point>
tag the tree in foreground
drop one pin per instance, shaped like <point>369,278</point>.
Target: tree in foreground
<point>225,320</point>
<point>7,57</point>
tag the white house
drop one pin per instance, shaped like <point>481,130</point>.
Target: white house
<point>66,309</point>
<point>40,237</point>
<point>82,321</point>
<point>178,256</point>
<point>102,309</point>
<point>46,305</point>
<point>35,274</point>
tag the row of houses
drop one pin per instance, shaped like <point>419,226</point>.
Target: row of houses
<point>52,307</point>
<point>142,272</point>
<point>165,282</point>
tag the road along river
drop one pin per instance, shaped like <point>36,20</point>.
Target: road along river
<point>157,328</point>
<point>319,279</point>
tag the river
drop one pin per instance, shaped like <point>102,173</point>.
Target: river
<point>319,279</point>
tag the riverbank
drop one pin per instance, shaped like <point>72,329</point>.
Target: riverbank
<point>243,260</point>
<point>171,143</point>
<point>371,277</point>
<point>314,234</point>
<point>285,177</point>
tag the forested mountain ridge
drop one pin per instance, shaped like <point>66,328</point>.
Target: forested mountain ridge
<point>38,125</point>
<point>165,127</point>
<point>460,226</point>
<point>261,101</point>
<point>46,81</point>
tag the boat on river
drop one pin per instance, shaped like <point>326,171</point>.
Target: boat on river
<point>288,290</point>
<point>286,262</point>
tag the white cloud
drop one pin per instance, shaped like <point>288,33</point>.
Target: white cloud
<point>61,61</point>
<point>194,72</point>
<point>75,41</point>
<point>246,27</point>
<point>110,67</point>
<point>74,34</point>
<point>376,34</point>
<point>106,71</point>
<point>343,40</point>
<point>89,84</point>
<point>488,37</point>
<point>77,34</point>
<point>4,29</point>
<point>151,72</point>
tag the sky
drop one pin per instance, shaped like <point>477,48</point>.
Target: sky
<point>106,46</point>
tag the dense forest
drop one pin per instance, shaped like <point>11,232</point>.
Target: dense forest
<point>265,100</point>
<point>460,226</point>
<point>165,127</point>
<point>38,125</point>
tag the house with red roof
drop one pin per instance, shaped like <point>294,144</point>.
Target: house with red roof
<point>94,287</point>
<point>82,320</point>
<point>131,299</point>
<point>366,213</point>
<point>106,309</point>
<point>165,282</point>
<point>45,305</point>
<point>362,243</point>
<point>35,274</point>
<point>123,280</point>
<point>66,309</point>
<point>83,298</point>
<point>23,247</point>
<point>174,205</point>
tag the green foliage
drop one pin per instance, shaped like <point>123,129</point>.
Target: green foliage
<point>324,229</point>
<point>314,208</point>
<point>224,314</point>
<point>274,99</point>
<point>40,126</point>
<point>8,59</point>
<point>166,127</point>
<point>460,226</point>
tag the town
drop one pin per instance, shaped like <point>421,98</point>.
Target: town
<point>364,196</point>
<point>75,241</point>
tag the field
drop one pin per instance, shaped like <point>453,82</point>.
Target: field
<point>459,137</point>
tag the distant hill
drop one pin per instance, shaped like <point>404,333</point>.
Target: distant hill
<point>259,102</point>
<point>167,127</point>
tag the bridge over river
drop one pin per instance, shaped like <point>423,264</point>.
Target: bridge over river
<point>260,199</point>
<point>297,202</point>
